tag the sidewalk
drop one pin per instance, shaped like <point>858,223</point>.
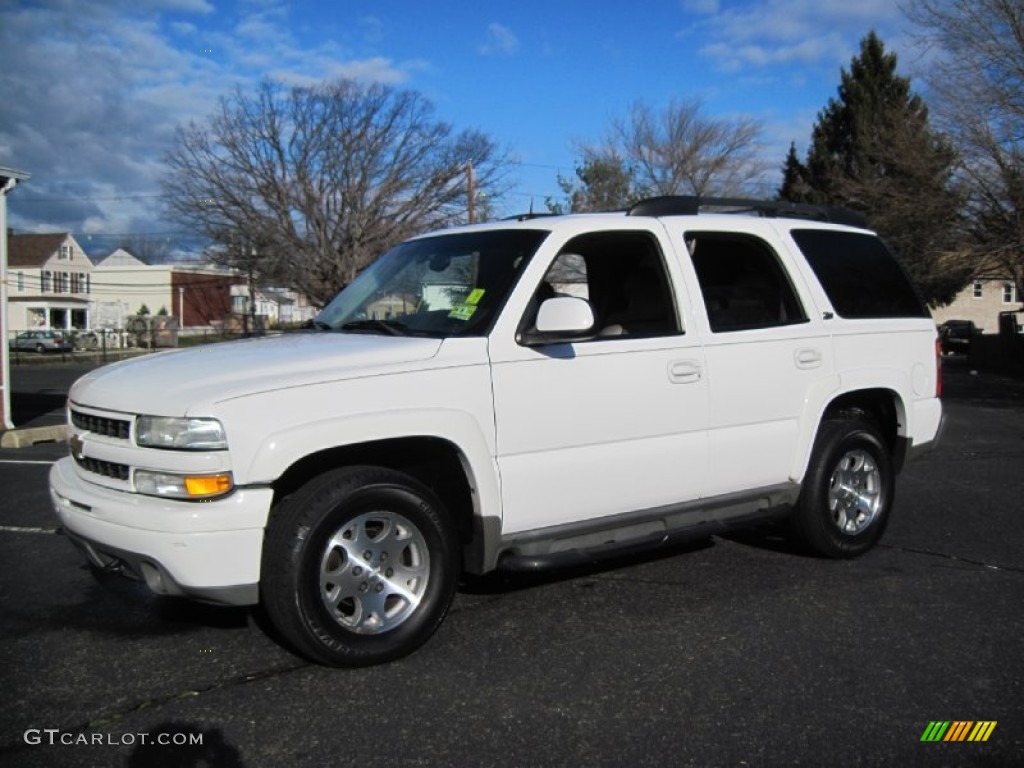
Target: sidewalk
<point>38,394</point>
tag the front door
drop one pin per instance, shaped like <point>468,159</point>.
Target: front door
<point>612,424</point>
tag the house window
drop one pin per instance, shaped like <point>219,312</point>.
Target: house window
<point>65,252</point>
<point>88,283</point>
<point>977,289</point>
<point>1009,293</point>
<point>65,282</point>
<point>21,281</point>
<point>46,285</point>
<point>74,282</point>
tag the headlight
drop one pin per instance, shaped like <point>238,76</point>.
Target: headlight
<point>180,434</point>
<point>175,486</point>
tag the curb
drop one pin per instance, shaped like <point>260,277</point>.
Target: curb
<point>21,438</point>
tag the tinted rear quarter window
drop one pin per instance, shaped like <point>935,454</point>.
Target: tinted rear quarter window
<point>859,274</point>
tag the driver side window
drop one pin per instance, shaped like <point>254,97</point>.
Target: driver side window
<point>622,275</point>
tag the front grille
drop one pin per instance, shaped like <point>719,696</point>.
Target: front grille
<point>101,425</point>
<point>104,468</point>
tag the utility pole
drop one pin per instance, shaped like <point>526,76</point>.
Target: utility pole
<point>251,329</point>
<point>471,193</point>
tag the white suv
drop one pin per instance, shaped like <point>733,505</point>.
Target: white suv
<point>521,394</point>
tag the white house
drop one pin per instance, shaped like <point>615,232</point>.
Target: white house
<point>981,301</point>
<point>275,305</point>
<point>49,282</point>
<point>122,285</point>
<point>198,295</point>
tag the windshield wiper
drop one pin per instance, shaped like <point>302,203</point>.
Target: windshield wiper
<point>392,327</point>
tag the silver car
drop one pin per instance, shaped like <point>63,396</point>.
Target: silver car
<point>42,341</point>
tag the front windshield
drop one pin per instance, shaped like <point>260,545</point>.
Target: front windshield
<point>448,285</point>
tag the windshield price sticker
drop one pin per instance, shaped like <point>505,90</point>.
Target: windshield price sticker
<point>462,312</point>
<point>465,310</point>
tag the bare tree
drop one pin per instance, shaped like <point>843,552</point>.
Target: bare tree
<point>147,248</point>
<point>674,151</point>
<point>306,186</point>
<point>978,80</point>
<point>678,151</point>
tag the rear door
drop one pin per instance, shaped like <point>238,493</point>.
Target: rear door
<point>765,352</point>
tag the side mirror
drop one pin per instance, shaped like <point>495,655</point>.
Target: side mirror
<point>560,320</point>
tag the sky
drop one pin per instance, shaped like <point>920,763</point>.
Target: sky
<point>91,90</point>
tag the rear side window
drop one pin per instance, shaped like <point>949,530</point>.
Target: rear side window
<point>743,284</point>
<point>859,274</point>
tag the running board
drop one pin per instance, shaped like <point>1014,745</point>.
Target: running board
<point>633,533</point>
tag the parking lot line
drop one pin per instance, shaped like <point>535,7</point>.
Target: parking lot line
<point>26,529</point>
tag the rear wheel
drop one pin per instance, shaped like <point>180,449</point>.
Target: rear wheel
<point>848,489</point>
<point>359,566</point>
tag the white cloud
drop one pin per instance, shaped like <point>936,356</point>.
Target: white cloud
<point>374,70</point>
<point>772,32</point>
<point>734,58</point>
<point>94,89</point>
<point>259,29</point>
<point>499,41</point>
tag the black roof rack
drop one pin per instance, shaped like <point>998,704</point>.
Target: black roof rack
<point>673,205</point>
<point>528,216</point>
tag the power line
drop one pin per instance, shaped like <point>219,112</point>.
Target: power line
<point>88,199</point>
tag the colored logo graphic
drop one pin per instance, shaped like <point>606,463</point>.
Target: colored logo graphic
<point>958,730</point>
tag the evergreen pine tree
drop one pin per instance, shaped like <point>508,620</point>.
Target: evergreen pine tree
<point>872,150</point>
<point>795,188</point>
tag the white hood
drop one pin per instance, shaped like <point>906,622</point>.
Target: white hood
<point>184,382</point>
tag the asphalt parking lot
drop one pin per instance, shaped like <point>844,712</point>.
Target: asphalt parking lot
<point>737,651</point>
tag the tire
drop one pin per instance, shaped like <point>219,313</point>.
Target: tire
<point>40,348</point>
<point>847,491</point>
<point>333,557</point>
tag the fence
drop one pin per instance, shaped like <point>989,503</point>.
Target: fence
<point>1003,353</point>
<point>110,344</point>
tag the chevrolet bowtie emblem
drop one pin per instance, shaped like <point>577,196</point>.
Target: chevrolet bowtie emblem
<point>77,446</point>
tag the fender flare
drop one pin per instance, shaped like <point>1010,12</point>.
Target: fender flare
<point>282,449</point>
<point>827,391</point>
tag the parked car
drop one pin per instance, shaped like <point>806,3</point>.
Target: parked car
<point>42,341</point>
<point>554,390</point>
<point>956,336</point>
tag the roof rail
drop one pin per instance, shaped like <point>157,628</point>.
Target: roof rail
<point>691,205</point>
<point>528,216</point>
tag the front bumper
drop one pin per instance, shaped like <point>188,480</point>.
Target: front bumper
<point>208,551</point>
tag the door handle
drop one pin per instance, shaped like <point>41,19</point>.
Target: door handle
<point>808,358</point>
<point>685,371</point>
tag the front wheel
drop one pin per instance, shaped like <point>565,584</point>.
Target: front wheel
<point>359,566</point>
<point>847,491</point>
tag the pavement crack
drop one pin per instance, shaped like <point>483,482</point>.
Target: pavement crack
<point>955,558</point>
<point>109,719</point>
